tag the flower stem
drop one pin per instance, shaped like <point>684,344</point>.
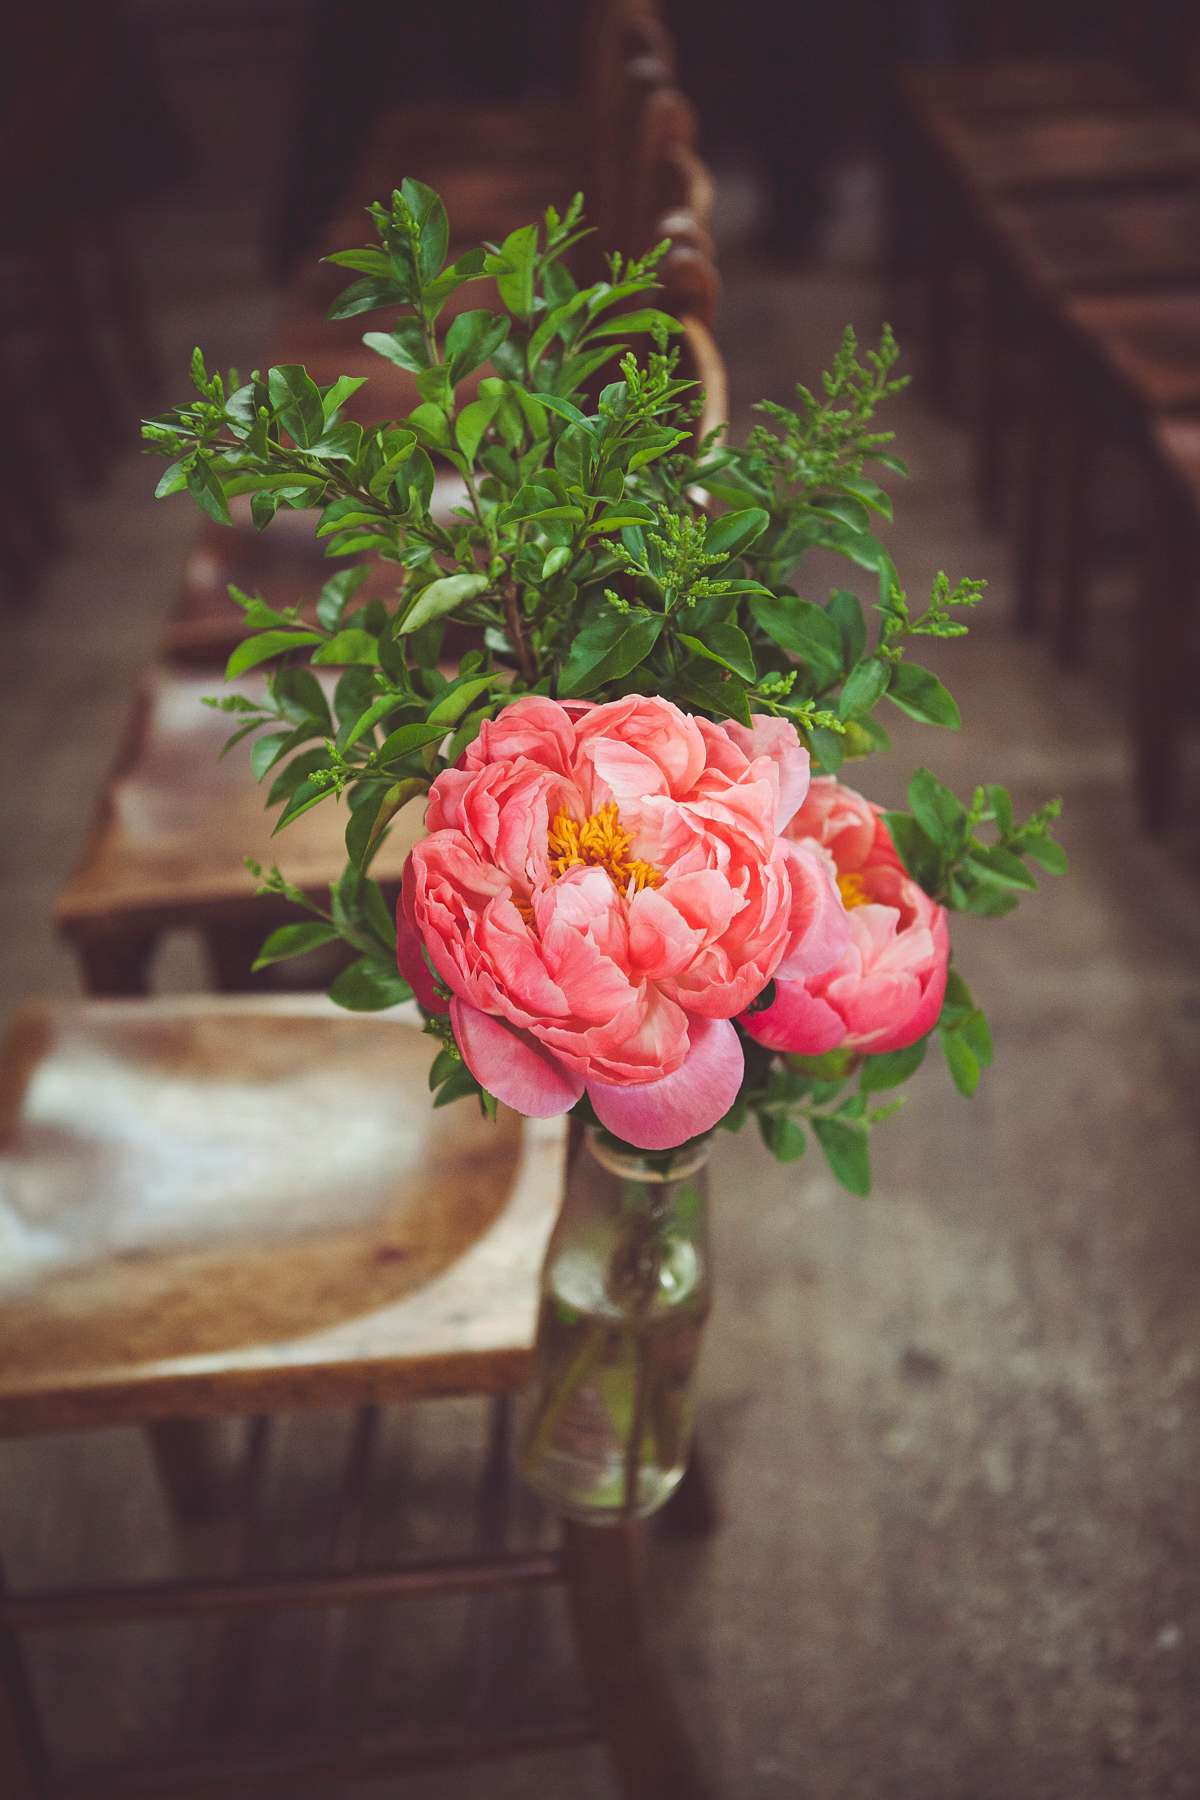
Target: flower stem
<point>637,1425</point>
<point>556,1402</point>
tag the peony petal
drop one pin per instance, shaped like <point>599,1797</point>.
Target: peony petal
<point>410,958</point>
<point>777,739</point>
<point>658,1115</point>
<point>512,1065</point>
<point>820,926</point>
<point>796,1021</point>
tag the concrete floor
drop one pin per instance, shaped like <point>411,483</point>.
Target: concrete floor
<point>956,1424</point>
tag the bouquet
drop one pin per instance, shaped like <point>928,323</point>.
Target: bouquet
<point>646,896</point>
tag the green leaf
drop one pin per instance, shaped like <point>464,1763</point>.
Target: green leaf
<point>865,687</point>
<point>608,648</point>
<point>297,400</point>
<point>408,738</point>
<point>268,643</point>
<point>449,710</point>
<point>369,985</point>
<point>915,848</point>
<point>846,1151</point>
<point>174,481</point>
<point>1051,856</point>
<point>349,647</point>
<point>977,1032</point>
<point>295,940</point>
<point>431,426</point>
<point>829,747</point>
<point>341,390</point>
<point>920,694</point>
<point>377,710</point>
<point>787,1141</point>
<point>1000,868</point>
<point>845,609</point>
<point>643,320</point>
<point>519,251</point>
<point>366,295</point>
<point>939,813</point>
<point>473,421</point>
<point>471,339</point>
<point>731,535</point>
<point>265,751</point>
<point>427,209</point>
<point>893,1067</point>
<point>460,1085</point>
<point>404,345</point>
<point>961,1061</point>
<point>338,590</point>
<point>566,409</point>
<point>726,645</point>
<point>957,1001</point>
<point>439,598</point>
<point>799,626</point>
<point>206,490</point>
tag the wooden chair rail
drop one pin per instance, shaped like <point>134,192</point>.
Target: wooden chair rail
<point>56,1609</point>
<point>399,1753</point>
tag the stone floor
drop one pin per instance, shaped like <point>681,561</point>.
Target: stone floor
<point>956,1424</point>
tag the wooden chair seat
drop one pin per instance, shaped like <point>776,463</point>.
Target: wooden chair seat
<point>215,1206</point>
<point>221,1204</point>
<point>1008,86</point>
<point>1099,240</point>
<point>1125,147</point>
<point>166,851</point>
<point>1148,342</point>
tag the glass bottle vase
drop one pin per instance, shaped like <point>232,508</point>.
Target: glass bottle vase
<point>624,1295</point>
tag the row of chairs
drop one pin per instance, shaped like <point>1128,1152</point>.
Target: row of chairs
<point>327,1300</point>
<point>1064,197</point>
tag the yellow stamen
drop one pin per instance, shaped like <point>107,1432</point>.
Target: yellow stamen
<point>852,891</point>
<point>599,843</point>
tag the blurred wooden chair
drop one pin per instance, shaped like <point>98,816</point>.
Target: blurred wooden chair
<point>167,846</point>
<point>227,1264</point>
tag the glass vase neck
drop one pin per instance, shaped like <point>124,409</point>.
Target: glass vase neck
<point>648,1165</point>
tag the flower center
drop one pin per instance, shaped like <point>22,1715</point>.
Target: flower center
<point>599,843</point>
<point>852,891</point>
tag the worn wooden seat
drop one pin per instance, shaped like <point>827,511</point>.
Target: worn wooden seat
<point>167,847</point>
<point>213,1206</point>
<point>1011,86</point>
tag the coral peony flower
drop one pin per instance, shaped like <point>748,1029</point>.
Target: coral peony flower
<point>886,990</point>
<point>603,889</point>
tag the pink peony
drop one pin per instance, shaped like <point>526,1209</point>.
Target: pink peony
<point>603,889</point>
<point>886,990</point>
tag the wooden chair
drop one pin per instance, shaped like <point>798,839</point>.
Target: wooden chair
<point>167,846</point>
<point>1038,254</point>
<point>230,1266</point>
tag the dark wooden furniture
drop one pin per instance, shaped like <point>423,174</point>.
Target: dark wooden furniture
<point>167,847</point>
<point>262,1280</point>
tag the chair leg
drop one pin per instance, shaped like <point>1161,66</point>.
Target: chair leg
<point>185,1471</point>
<point>232,952</point>
<point>693,1509</point>
<point>1166,604</point>
<point>116,966</point>
<point>643,1732</point>
<point>993,412</point>
<point>1035,477</point>
<point>24,1763</point>
<point>1076,469</point>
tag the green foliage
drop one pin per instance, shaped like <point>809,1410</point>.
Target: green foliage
<point>587,560</point>
<point>939,844</point>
